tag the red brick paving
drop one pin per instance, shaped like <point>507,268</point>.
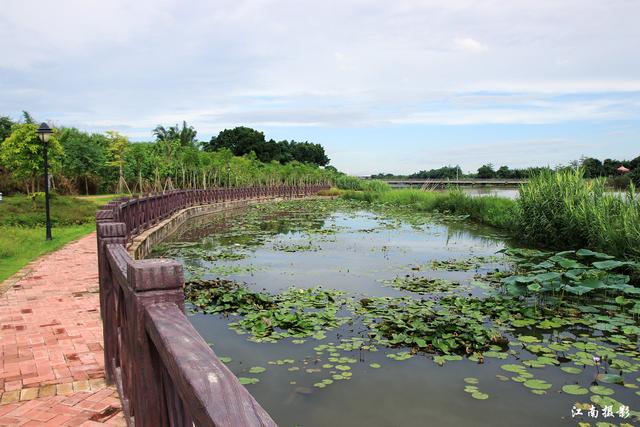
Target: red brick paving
<point>52,364</point>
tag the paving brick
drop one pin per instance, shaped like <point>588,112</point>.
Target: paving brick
<point>51,347</point>
<point>28,394</point>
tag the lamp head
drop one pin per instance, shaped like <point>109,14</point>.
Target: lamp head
<point>44,132</point>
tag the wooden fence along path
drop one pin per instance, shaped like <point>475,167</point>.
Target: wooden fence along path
<point>165,372</point>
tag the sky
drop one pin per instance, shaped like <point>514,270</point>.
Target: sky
<point>385,86</point>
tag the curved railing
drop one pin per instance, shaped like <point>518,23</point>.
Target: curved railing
<point>165,372</point>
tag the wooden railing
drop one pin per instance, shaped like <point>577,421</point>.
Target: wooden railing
<point>165,372</point>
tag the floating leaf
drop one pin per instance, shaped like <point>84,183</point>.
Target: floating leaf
<point>610,378</point>
<point>245,380</point>
<point>609,264</point>
<point>375,365</point>
<point>225,359</point>
<point>537,384</point>
<point>601,390</point>
<point>257,370</point>
<point>571,370</point>
<point>574,389</point>
<point>480,396</point>
<point>471,380</point>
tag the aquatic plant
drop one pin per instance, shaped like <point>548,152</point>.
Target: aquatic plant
<point>562,209</point>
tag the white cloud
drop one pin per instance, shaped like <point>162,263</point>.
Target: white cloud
<point>468,44</point>
<point>333,64</point>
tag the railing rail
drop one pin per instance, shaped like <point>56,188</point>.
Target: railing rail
<point>165,372</point>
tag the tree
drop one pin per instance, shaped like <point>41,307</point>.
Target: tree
<point>503,172</point>
<point>27,118</point>
<point>22,153</point>
<point>486,171</point>
<point>5,127</point>
<point>592,167</point>
<point>240,140</point>
<point>185,135</point>
<point>117,148</point>
<point>84,155</point>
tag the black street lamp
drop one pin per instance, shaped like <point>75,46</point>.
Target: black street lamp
<point>44,132</point>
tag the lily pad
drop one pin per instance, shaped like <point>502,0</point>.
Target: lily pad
<point>537,384</point>
<point>479,395</point>
<point>257,370</point>
<point>601,390</point>
<point>375,365</point>
<point>574,389</point>
<point>248,380</point>
<point>610,378</point>
<point>471,380</point>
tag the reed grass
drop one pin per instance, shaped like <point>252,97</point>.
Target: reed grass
<point>562,209</point>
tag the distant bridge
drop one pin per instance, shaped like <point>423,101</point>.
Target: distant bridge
<point>446,182</point>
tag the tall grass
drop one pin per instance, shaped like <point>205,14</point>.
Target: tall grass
<point>29,211</point>
<point>494,211</point>
<point>562,209</point>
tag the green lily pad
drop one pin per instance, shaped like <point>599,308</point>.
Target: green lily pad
<point>528,339</point>
<point>225,359</point>
<point>246,380</point>
<point>513,368</point>
<point>343,367</point>
<point>601,390</point>
<point>574,389</point>
<point>571,370</point>
<point>610,378</point>
<point>537,384</point>
<point>257,370</point>
<point>471,380</point>
<point>375,365</point>
<point>538,392</point>
<point>480,396</point>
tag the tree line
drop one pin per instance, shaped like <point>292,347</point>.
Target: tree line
<point>91,163</point>
<point>592,167</point>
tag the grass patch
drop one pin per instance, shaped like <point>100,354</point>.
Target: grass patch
<point>22,230</point>
<point>28,211</point>
<point>21,245</point>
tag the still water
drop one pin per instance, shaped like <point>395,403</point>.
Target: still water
<point>357,251</point>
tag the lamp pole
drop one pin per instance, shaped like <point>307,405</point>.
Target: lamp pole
<point>44,132</point>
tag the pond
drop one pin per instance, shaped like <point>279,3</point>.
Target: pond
<point>336,313</point>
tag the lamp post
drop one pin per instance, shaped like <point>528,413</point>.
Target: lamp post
<point>44,132</point>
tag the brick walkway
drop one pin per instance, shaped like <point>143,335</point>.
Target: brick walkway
<point>52,364</point>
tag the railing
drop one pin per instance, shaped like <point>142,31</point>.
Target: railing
<point>165,372</point>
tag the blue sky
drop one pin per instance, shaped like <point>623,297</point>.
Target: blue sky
<point>385,86</point>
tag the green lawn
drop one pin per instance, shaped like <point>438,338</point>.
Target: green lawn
<point>21,245</point>
<point>22,229</point>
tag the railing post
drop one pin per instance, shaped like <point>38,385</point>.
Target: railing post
<point>153,282</point>
<point>108,233</point>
